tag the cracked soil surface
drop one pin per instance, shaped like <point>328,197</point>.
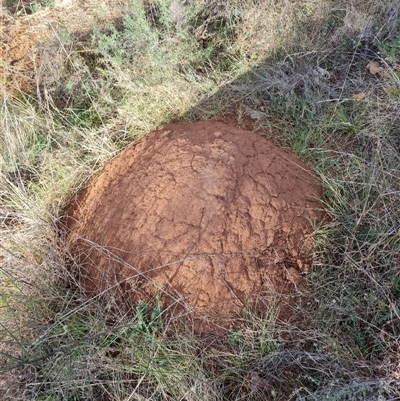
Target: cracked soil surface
<point>204,214</point>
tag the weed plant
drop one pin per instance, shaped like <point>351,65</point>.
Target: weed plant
<point>302,70</point>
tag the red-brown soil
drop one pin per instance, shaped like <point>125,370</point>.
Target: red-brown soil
<point>21,34</point>
<point>205,214</point>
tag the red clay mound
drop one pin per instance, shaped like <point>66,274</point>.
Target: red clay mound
<point>205,214</point>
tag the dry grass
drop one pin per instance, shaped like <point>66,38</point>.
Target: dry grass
<point>300,67</point>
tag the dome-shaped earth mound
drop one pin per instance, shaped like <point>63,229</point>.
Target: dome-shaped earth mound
<point>204,214</point>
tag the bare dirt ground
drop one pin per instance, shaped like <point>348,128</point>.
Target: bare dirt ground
<point>22,32</point>
<point>206,214</point>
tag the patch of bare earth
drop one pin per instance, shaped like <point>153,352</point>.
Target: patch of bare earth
<point>21,33</point>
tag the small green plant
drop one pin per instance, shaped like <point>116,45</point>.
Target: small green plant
<point>148,321</point>
<point>391,50</point>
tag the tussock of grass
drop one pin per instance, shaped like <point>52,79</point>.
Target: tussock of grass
<point>298,65</point>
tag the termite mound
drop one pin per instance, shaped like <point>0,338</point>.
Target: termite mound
<point>206,215</point>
